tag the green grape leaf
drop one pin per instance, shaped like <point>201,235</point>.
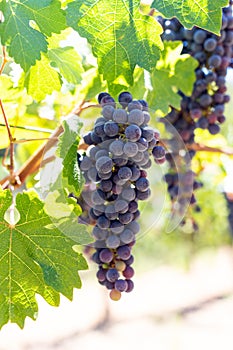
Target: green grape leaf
<point>68,62</point>
<point>33,260</point>
<point>92,84</point>
<point>121,37</point>
<point>26,25</point>
<point>204,14</point>
<point>172,73</point>
<point>67,151</point>
<point>42,79</point>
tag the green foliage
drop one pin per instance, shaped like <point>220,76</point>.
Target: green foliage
<point>26,26</point>
<point>173,72</point>
<point>121,37</point>
<point>67,151</point>
<point>204,14</point>
<point>34,259</point>
<point>38,238</point>
<point>68,62</point>
<point>42,79</point>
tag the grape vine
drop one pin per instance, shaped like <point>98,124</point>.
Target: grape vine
<point>73,176</point>
<point>204,109</point>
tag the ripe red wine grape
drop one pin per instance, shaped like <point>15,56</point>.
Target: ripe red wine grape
<point>119,150</point>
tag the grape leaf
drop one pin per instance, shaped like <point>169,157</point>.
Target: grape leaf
<point>26,25</point>
<point>173,72</point>
<point>33,260</point>
<point>67,150</point>
<point>69,63</point>
<point>121,37</point>
<point>204,14</point>
<point>42,79</point>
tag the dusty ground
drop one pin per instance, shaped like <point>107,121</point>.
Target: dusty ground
<point>170,309</point>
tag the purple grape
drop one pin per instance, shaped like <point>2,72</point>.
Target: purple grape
<point>133,132</point>
<point>125,98</point>
<point>124,252</point>
<point>121,285</point>
<point>106,255</point>
<point>128,272</point>
<point>112,275</point>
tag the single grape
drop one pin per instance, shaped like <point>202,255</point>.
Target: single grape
<point>125,98</point>
<point>113,242</point>
<point>130,286</point>
<point>116,148</point>
<point>134,226</point>
<point>115,294</point>
<point>121,206</point>
<point>92,174</point>
<point>101,275</point>
<point>120,265</point>
<point>87,139</point>
<point>108,111</point>
<point>124,252</point>
<point>210,44</point>
<point>214,61</point>
<point>99,129</point>
<point>129,261</point>
<point>142,144</point>
<point>142,184</point>
<point>105,185</point>
<point>127,236</point>
<point>101,95</point>
<point>116,227</point>
<point>106,255</point>
<point>120,116</point>
<point>126,218</point>
<point>98,233</point>
<point>101,153</point>
<point>111,128</point>
<point>128,272</point>
<point>135,173</point>
<point>158,152</point>
<point>124,173</point>
<point>134,105</point>
<point>143,195</point>
<point>103,222</point>
<point>110,212</point>
<point>133,133</point>
<point>112,274</point>
<point>136,116</point>
<point>130,149</point>
<point>213,129</point>
<point>205,100</point>
<point>121,285</point>
<point>107,100</point>
<point>128,194</point>
<point>85,164</point>
<point>104,164</point>
<point>199,36</point>
<point>133,207</point>
<point>148,133</point>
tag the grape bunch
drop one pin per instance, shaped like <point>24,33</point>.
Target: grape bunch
<point>114,167</point>
<point>204,109</point>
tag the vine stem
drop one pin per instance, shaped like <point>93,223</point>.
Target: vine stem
<point>203,148</point>
<point>4,60</point>
<point>11,139</point>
